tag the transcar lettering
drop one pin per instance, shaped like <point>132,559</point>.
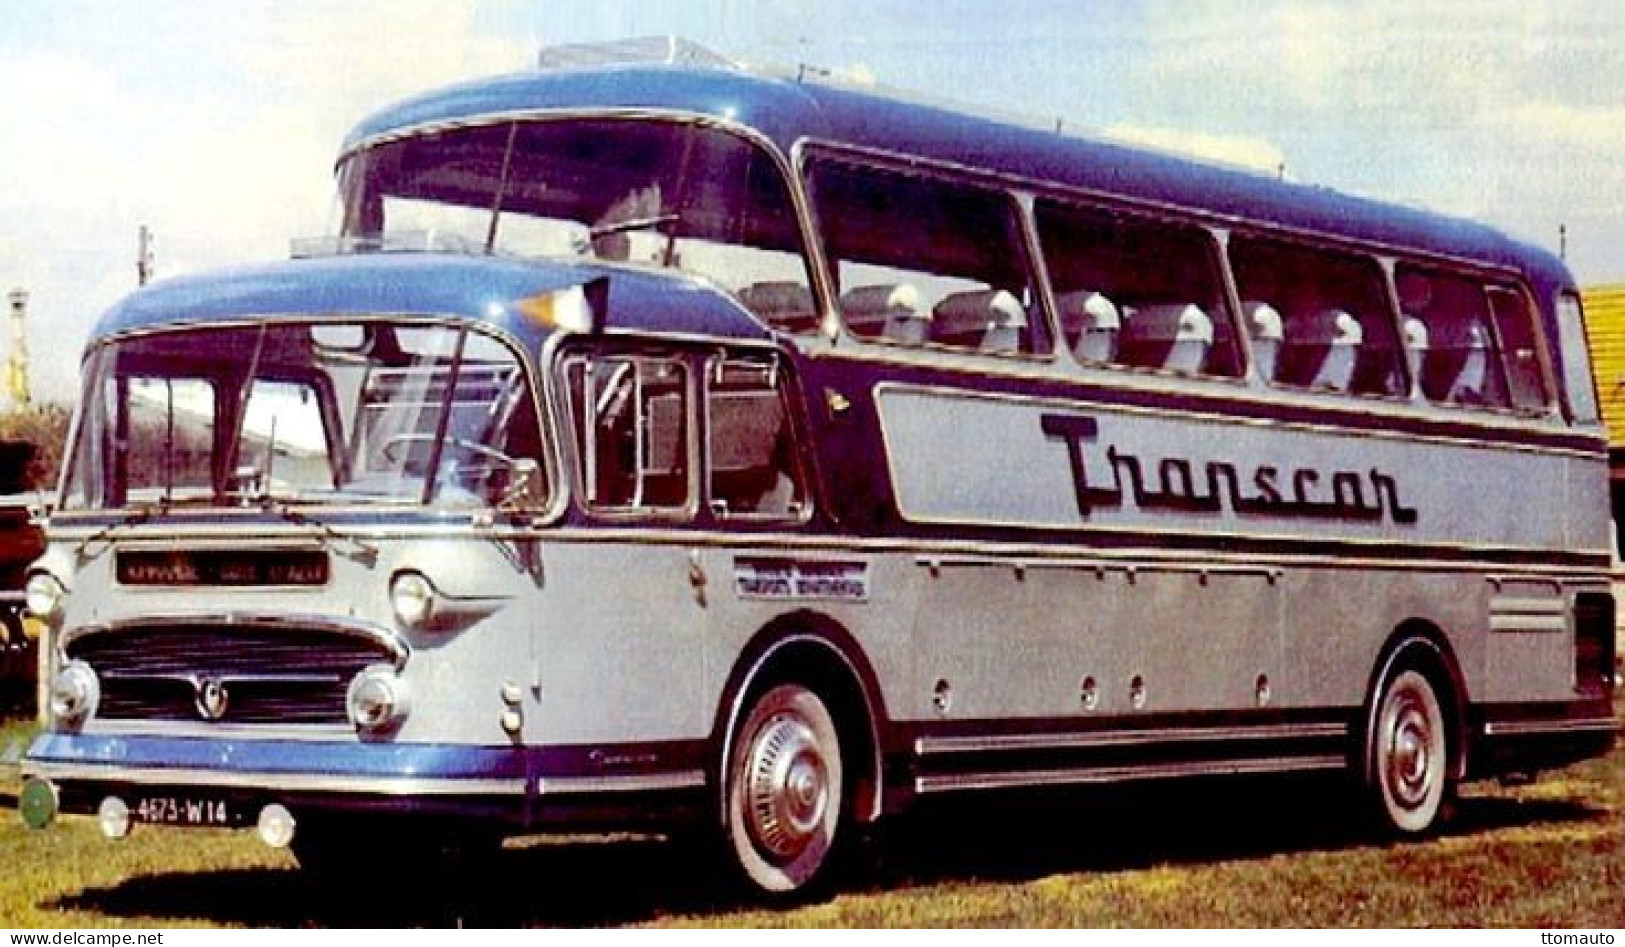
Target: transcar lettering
<point>792,579</point>
<point>1179,485</point>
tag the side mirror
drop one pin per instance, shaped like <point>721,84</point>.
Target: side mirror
<point>524,490</point>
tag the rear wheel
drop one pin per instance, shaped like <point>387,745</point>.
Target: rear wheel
<point>785,790</point>
<point>1408,754</point>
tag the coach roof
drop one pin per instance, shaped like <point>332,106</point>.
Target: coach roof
<point>787,110</point>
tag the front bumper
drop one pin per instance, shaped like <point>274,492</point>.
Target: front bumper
<point>518,786</point>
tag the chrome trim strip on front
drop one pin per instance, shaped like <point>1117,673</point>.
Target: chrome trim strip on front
<point>1520,728</point>
<point>311,623</point>
<point>949,782</point>
<point>276,782</point>
<point>932,746</point>
<point>198,729</point>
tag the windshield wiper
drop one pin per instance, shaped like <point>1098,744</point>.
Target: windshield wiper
<point>142,513</point>
<point>636,223</point>
<point>350,547</point>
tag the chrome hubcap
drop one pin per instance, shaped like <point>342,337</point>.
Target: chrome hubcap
<point>787,785</point>
<point>1410,753</point>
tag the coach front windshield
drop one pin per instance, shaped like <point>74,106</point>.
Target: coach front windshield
<point>306,413</point>
<point>653,192</point>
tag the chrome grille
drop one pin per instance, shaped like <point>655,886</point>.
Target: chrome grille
<point>260,674</point>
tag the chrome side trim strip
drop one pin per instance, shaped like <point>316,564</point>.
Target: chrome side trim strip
<point>285,782</point>
<point>951,782</point>
<point>967,551</point>
<point>1519,728</point>
<point>933,746</point>
<point>651,782</point>
<point>1529,624</point>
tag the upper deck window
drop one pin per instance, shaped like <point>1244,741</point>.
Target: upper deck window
<point>1470,344</point>
<point>924,260</point>
<point>1318,318</point>
<point>303,413</point>
<point>1137,291</point>
<point>653,192</point>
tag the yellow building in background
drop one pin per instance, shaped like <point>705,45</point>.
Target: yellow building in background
<point>1605,327</point>
<point>1605,324</point>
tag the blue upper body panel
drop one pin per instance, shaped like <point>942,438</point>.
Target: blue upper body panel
<point>483,289</point>
<point>787,111</point>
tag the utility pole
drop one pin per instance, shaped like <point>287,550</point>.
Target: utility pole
<point>17,362</point>
<point>143,256</point>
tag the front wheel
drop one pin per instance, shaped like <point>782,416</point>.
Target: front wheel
<point>785,790</point>
<point>1407,754</point>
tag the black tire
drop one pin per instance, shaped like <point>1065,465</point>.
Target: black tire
<point>785,793</point>
<point>1407,754</point>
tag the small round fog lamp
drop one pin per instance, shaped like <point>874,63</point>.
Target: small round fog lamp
<point>113,815</point>
<point>276,825</point>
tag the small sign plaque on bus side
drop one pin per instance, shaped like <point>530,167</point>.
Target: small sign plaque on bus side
<point>798,579</point>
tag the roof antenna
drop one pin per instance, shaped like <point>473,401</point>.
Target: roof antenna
<point>143,255</point>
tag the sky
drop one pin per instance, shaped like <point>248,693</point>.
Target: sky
<point>215,122</point>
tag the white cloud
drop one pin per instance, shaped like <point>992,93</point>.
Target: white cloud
<point>224,170</point>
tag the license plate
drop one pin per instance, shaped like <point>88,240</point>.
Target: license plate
<point>182,810</point>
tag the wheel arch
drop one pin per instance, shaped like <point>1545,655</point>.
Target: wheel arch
<point>813,649</point>
<point>1421,644</point>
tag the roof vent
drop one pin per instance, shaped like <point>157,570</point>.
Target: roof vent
<point>405,241</point>
<point>640,50</point>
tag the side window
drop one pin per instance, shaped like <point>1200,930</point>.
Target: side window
<point>1515,324</point>
<point>920,260</point>
<point>1577,380</point>
<point>1318,318</point>
<point>1450,338</point>
<point>1137,291</point>
<point>632,432</point>
<point>750,448</point>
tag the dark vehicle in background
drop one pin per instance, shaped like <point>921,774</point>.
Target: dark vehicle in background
<point>21,542</point>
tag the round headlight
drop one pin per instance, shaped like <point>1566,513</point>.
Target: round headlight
<point>44,596</point>
<point>377,698</point>
<point>412,597</point>
<point>74,693</point>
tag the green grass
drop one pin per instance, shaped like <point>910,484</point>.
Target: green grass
<point>1238,854</point>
